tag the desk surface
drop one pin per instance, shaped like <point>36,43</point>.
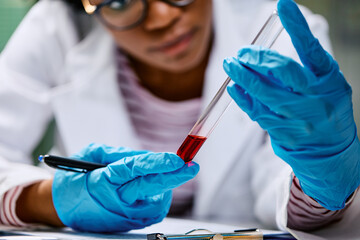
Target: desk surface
<point>168,226</point>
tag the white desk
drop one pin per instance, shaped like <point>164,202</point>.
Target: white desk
<point>168,226</point>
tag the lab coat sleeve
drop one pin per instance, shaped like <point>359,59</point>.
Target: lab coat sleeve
<point>29,69</point>
<point>270,184</point>
<point>271,179</point>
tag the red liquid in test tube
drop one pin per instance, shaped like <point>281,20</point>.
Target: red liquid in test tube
<point>190,147</point>
<point>212,114</point>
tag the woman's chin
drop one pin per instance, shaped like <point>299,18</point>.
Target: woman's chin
<point>179,64</point>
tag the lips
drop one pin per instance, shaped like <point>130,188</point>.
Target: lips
<point>177,45</point>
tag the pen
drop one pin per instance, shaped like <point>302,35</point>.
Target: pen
<point>69,164</point>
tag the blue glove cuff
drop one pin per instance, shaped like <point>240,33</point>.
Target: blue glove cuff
<point>326,185</point>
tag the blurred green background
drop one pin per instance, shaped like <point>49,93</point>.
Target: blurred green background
<point>343,17</point>
<point>11,13</point>
<point>344,22</point>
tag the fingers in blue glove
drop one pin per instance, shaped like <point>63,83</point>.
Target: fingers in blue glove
<point>248,104</point>
<point>155,184</point>
<point>145,175</point>
<point>279,69</point>
<point>310,51</point>
<point>269,120</point>
<point>264,86</point>
<point>132,167</point>
<point>101,153</point>
<point>148,208</point>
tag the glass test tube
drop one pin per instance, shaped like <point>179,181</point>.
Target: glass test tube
<point>212,114</point>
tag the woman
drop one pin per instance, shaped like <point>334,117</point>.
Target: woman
<point>140,78</point>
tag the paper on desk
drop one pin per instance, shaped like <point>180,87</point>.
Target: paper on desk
<point>181,226</point>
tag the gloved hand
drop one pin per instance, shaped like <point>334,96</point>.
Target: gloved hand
<point>132,192</point>
<point>306,110</point>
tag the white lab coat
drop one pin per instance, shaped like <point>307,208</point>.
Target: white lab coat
<point>51,69</point>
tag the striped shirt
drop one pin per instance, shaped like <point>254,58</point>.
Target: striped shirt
<point>305,214</point>
<point>8,208</point>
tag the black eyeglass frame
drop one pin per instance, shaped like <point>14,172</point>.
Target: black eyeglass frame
<point>143,16</point>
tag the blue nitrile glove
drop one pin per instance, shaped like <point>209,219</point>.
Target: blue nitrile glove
<point>132,192</point>
<point>306,110</point>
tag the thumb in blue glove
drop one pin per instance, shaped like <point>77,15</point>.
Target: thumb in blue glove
<point>132,192</point>
<point>306,110</point>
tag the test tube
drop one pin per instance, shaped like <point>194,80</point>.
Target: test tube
<point>222,100</point>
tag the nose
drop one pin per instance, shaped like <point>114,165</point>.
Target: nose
<point>161,15</point>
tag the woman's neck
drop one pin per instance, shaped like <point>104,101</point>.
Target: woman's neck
<point>172,86</point>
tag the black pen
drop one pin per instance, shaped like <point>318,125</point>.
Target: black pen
<point>69,164</point>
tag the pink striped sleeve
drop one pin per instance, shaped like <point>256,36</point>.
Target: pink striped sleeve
<point>305,214</point>
<point>8,208</point>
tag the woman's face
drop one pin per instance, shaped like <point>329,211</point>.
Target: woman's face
<point>170,38</point>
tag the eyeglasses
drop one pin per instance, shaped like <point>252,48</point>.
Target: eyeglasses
<point>125,14</point>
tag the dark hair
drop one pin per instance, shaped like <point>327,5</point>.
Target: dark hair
<point>76,4</point>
